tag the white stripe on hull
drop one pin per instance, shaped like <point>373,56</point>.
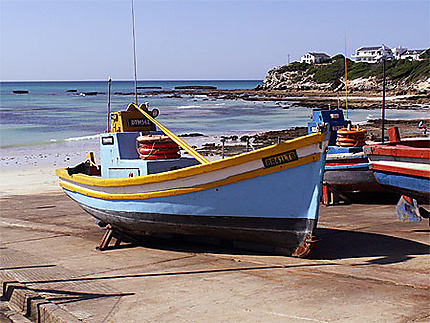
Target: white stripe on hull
<point>407,165</point>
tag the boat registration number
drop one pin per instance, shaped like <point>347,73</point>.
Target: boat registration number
<point>279,159</point>
<point>138,122</point>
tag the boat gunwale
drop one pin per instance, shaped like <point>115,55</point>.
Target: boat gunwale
<point>196,169</point>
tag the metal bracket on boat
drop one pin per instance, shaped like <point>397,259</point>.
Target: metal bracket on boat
<point>306,247</point>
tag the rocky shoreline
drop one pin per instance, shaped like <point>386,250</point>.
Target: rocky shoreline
<point>303,98</point>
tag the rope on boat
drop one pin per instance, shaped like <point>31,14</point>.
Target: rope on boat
<point>353,137</point>
<point>157,147</point>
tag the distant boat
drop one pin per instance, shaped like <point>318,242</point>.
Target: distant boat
<point>149,87</point>
<point>20,91</point>
<point>269,196</point>
<point>89,93</point>
<point>195,87</point>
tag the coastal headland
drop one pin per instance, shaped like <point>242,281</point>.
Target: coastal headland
<point>407,85</point>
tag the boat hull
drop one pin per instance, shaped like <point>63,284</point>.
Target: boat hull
<point>403,167</point>
<point>352,180</point>
<point>349,173</point>
<point>255,198</point>
<point>412,186</point>
<point>282,235</point>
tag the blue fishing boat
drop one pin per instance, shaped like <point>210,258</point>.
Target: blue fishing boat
<point>346,170</point>
<point>143,186</point>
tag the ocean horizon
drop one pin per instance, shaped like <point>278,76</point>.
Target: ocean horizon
<point>132,80</point>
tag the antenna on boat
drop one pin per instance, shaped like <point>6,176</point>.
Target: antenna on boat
<point>383,98</point>
<point>134,51</point>
<point>143,107</point>
<point>346,80</point>
<point>108,106</point>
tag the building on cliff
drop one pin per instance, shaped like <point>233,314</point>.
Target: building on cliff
<point>373,54</point>
<point>398,51</point>
<point>314,58</point>
<point>412,54</point>
<point>377,53</point>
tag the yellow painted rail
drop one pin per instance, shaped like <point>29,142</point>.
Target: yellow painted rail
<point>172,136</point>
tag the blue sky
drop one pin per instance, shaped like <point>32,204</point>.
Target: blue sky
<point>91,40</point>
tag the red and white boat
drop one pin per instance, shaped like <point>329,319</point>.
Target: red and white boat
<point>402,166</point>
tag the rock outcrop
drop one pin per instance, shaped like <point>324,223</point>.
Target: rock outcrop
<point>278,79</point>
<point>301,76</point>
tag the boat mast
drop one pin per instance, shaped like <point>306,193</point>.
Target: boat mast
<point>143,107</point>
<point>108,106</point>
<point>383,98</point>
<point>346,81</point>
<point>134,51</point>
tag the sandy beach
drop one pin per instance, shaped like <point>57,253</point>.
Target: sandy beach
<point>24,171</point>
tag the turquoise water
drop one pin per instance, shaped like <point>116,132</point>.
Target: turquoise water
<point>48,114</point>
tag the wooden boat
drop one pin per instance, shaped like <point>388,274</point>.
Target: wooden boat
<point>268,196</point>
<point>402,166</point>
<point>346,170</point>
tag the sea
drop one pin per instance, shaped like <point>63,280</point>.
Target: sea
<point>49,113</point>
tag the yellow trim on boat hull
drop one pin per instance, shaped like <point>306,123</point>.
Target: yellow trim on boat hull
<point>179,191</point>
<point>194,170</point>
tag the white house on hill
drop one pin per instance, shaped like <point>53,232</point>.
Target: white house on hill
<point>314,58</point>
<point>412,54</point>
<point>398,51</point>
<point>372,54</point>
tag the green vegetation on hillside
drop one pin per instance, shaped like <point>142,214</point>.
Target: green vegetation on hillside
<point>294,66</point>
<point>328,73</point>
<point>396,70</point>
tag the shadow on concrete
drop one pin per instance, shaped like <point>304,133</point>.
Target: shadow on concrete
<point>27,267</point>
<point>64,296</point>
<point>332,244</point>
<point>166,274</point>
<point>422,231</point>
<point>340,244</point>
<point>192,244</point>
<point>371,198</point>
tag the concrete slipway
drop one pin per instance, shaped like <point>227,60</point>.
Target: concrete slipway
<point>367,267</point>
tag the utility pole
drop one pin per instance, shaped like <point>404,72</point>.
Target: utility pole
<point>383,99</point>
